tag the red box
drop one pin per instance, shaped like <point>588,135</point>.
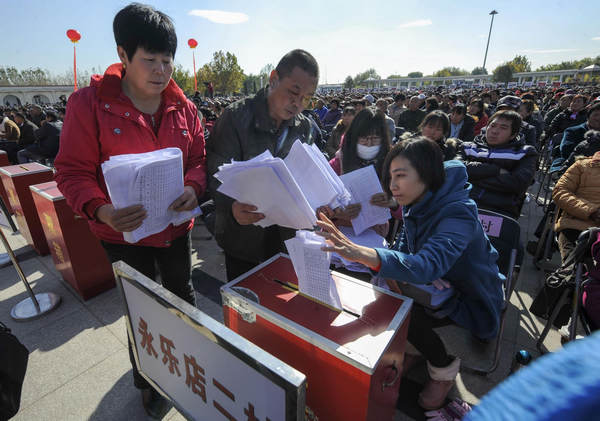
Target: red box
<point>16,180</point>
<point>352,359</point>
<point>77,253</point>
<point>4,163</point>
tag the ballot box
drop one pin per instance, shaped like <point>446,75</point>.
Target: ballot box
<point>3,163</point>
<point>77,253</point>
<point>352,359</point>
<point>16,180</point>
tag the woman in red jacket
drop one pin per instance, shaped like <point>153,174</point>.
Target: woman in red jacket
<point>134,107</point>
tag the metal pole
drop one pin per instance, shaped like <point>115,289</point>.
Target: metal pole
<point>493,12</point>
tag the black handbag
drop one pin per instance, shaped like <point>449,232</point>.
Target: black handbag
<point>13,364</point>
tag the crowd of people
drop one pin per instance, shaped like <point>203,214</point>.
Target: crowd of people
<point>441,156</point>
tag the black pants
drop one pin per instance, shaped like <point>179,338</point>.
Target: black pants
<point>11,149</point>
<point>175,267</point>
<point>422,336</point>
<point>236,267</point>
<point>567,240</point>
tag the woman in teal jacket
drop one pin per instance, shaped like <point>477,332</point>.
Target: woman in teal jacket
<point>443,241</point>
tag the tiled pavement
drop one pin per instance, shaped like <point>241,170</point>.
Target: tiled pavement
<point>79,365</point>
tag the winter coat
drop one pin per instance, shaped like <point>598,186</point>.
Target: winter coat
<point>27,133</point>
<point>467,131</point>
<point>11,131</point>
<point>244,131</point>
<point>500,175</point>
<point>571,138</point>
<point>587,148</point>
<point>577,193</point>
<point>564,120</point>
<point>331,118</point>
<point>481,123</point>
<point>410,120</point>
<point>102,122</point>
<point>443,238</point>
<point>48,138</point>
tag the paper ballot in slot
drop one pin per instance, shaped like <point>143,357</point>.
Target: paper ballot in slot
<point>362,185</point>
<point>311,265</point>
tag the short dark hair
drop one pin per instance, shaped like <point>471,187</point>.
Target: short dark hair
<point>349,109</point>
<point>297,58</point>
<point>480,104</point>
<point>514,118</point>
<point>399,97</point>
<point>529,105</point>
<point>51,115</point>
<point>140,25</point>
<point>365,123</point>
<point>426,158</point>
<point>337,101</point>
<point>20,115</point>
<point>434,118</point>
<point>593,108</point>
<point>459,108</point>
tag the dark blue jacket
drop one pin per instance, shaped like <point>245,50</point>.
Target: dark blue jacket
<point>571,138</point>
<point>443,238</point>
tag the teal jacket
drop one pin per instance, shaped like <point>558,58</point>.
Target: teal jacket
<point>443,238</point>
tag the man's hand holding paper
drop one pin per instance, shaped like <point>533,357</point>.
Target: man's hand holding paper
<point>245,214</point>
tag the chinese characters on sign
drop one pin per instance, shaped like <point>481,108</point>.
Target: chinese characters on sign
<point>195,375</point>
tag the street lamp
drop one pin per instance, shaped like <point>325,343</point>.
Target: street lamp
<point>493,12</point>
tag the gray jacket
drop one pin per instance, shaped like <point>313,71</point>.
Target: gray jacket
<point>244,131</point>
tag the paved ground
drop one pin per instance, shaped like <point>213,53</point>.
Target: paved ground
<point>79,366</point>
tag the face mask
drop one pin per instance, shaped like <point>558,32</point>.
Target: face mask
<point>367,152</point>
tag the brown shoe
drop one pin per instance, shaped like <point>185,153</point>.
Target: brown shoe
<point>441,380</point>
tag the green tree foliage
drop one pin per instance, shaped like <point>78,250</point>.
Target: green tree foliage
<point>184,79</point>
<point>479,71</point>
<point>568,65</point>
<point>415,74</point>
<point>224,72</point>
<point>265,73</point>
<point>349,82</point>
<point>251,84</point>
<point>503,73</point>
<point>520,64</point>
<point>395,76</point>
<point>361,77</point>
<point>450,71</point>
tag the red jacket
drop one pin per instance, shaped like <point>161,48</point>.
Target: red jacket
<point>101,122</point>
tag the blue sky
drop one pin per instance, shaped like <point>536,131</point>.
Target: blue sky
<point>346,37</point>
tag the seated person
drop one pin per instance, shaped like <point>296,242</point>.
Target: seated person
<point>577,194</point>
<point>397,107</point>
<point>332,116</point>
<point>411,117</point>
<point>513,103</point>
<point>477,111</point>
<point>9,142</point>
<point>587,148</point>
<point>436,126</point>
<point>337,134</point>
<point>382,106</point>
<point>47,140</point>
<point>499,164</point>
<point>462,126</point>
<point>527,110</point>
<point>366,143</point>
<point>572,116</point>
<point>442,238</point>
<point>321,110</point>
<point>564,102</point>
<point>575,135</point>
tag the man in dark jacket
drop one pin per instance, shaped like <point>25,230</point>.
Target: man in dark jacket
<point>573,136</point>
<point>572,116</point>
<point>500,165</point>
<point>513,103</point>
<point>587,148</point>
<point>333,115</point>
<point>563,104</point>
<point>271,120</point>
<point>413,116</point>
<point>47,136</point>
<point>27,128</point>
<point>462,125</point>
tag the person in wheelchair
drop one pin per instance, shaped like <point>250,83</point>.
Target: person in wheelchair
<point>442,242</point>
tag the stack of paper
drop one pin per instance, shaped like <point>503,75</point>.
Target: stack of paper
<point>152,179</point>
<point>368,238</point>
<point>311,265</point>
<point>362,185</point>
<point>288,192</point>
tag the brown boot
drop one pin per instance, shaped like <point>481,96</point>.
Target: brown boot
<point>441,380</point>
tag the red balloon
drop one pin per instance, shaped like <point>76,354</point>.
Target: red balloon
<point>73,35</point>
<point>192,43</point>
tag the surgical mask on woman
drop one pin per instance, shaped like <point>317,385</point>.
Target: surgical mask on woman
<point>367,152</point>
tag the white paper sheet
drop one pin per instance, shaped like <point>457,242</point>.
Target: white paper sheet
<point>367,238</point>
<point>362,185</point>
<point>152,179</point>
<point>311,265</point>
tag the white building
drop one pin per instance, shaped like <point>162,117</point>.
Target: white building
<point>21,95</point>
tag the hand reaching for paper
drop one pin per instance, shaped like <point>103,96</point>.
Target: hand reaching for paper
<point>341,245</point>
<point>245,214</point>
<point>122,220</point>
<point>186,202</point>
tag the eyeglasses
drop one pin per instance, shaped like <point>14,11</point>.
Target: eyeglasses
<point>369,140</point>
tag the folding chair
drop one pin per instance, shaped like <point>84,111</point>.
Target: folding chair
<point>582,251</point>
<point>504,233</point>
